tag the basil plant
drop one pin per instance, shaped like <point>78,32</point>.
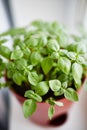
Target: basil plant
<point>43,63</point>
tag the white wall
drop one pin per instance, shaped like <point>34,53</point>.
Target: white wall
<point>25,11</point>
<point>3,19</point>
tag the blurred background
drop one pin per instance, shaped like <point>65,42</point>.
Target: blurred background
<point>16,13</point>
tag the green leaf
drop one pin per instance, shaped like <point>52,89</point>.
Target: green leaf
<point>21,64</point>
<point>78,47</point>
<point>60,104</point>
<point>71,55</point>
<point>3,41</point>
<point>62,39</point>
<point>63,77</point>
<point>51,112</point>
<point>72,47</point>
<point>55,55</point>
<point>14,32</point>
<point>64,64</point>
<point>40,24</point>
<point>71,94</point>
<point>30,94</point>
<point>5,51</point>
<point>47,64</point>
<point>81,48</point>
<point>10,69</point>
<point>42,41</point>
<point>18,78</point>
<point>42,88</point>
<point>52,102</point>
<point>25,49</point>
<point>35,58</point>
<point>43,51</point>
<point>10,73</point>
<point>81,60</point>
<point>16,54</point>
<point>31,43</point>
<point>65,84</point>
<point>59,92</point>
<point>53,45</point>
<point>77,72</point>
<point>11,65</point>
<point>55,85</point>
<point>77,86</point>
<point>33,78</point>
<point>63,52</point>
<point>2,66</point>
<point>16,42</point>
<point>30,67</point>
<point>29,107</point>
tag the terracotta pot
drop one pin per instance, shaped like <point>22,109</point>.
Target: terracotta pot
<point>41,114</point>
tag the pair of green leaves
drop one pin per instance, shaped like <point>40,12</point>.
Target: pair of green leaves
<point>29,105</point>
<point>40,87</point>
<point>69,93</point>
<point>32,95</point>
<point>51,110</point>
<point>69,54</point>
<point>65,65</point>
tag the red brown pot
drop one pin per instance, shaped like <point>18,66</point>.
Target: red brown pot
<point>41,114</point>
